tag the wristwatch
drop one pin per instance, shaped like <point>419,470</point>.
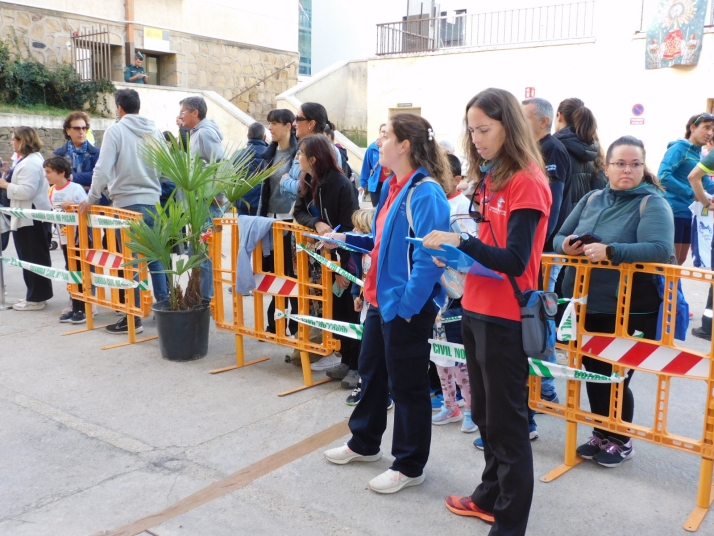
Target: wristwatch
<point>463,238</point>
<point>610,252</point>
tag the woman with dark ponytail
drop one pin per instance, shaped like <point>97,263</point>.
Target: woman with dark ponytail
<point>310,120</point>
<point>576,128</point>
<point>402,289</point>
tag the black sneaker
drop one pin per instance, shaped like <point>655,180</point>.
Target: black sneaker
<point>122,327</point>
<point>596,443</point>
<point>697,332</point>
<point>614,453</point>
<point>354,398</point>
<point>66,317</point>
<point>79,318</point>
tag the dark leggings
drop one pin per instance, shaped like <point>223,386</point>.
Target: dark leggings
<point>32,244</point>
<point>599,393</point>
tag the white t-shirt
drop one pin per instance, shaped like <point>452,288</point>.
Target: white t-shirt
<point>461,222</point>
<point>71,192</point>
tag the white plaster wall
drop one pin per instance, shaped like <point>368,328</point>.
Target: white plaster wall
<point>608,74</point>
<point>270,24</point>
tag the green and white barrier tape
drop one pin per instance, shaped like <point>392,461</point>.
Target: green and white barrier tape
<point>451,319</point>
<point>117,282</point>
<point>64,218</point>
<point>331,265</point>
<point>450,354</point>
<point>354,331</point>
<point>566,329</point>
<point>45,271</point>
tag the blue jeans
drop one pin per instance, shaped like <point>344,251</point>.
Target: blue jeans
<point>158,280</point>
<point>207,265</point>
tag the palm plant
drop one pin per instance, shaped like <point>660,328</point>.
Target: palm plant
<point>186,218</point>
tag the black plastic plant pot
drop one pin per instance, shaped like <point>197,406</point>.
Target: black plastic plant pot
<point>183,335</point>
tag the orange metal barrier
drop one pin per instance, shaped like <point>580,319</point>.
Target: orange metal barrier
<point>95,261</point>
<point>234,321</point>
<point>666,359</point>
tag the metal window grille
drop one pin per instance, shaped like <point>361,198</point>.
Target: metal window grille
<point>91,54</point>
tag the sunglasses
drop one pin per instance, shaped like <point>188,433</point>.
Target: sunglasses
<point>298,119</point>
<point>477,215</point>
<point>78,129</point>
<point>705,117</point>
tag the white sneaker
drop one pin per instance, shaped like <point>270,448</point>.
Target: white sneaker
<point>325,363</point>
<point>29,306</point>
<point>342,455</point>
<point>392,481</point>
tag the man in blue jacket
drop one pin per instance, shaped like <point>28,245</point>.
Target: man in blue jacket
<point>369,178</point>
<point>256,146</point>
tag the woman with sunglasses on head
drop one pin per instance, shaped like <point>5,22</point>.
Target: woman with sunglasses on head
<point>325,202</point>
<point>310,120</point>
<point>635,224</point>
<point>680,159</point>
<point>82,155</point>
<point>512,203</point>
<point>402,289</point>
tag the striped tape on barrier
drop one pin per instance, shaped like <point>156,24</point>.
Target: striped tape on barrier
<point>354,331</point>
<point>331,265</point>
<point>274,285</point>
<point>450,354</point>
<point>98,257</point>
<point>46,271</point>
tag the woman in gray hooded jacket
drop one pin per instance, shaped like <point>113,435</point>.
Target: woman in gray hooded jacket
<point>635,224</point>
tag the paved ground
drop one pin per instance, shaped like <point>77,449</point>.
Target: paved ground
<point>92,440</point>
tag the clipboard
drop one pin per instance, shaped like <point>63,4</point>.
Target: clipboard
<point>456,259</point>
<point>338,243</point>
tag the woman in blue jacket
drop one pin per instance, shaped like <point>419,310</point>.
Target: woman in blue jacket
<point>679,160</point>
<point>81,154</point>
<point>402,289</point>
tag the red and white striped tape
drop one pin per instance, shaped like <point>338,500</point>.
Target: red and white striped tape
<point>646,355</point>
<point>98,257</point>
<point>277,286</point>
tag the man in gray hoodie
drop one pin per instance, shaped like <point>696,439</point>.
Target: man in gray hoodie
<point>132,184</point>
<point>205,140</point>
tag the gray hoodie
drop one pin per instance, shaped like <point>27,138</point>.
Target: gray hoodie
<point>121,168</point>
<point>206,140</point>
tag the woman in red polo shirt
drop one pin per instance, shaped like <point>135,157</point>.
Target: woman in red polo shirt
<point>513,199</point>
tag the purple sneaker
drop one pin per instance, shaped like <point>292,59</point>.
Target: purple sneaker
<point>594,445</point>
<point>614,453</point>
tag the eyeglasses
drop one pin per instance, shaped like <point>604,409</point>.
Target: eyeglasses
<point>622,165</point>
<point>477,215</point>
<point>298,119</point>
<point>78,129</point>
<point>705,117</point>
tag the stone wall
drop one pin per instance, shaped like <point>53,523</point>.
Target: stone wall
<point>52,138</point>
<point>194,62</point>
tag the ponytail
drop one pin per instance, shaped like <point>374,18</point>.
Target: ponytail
<point>425,151</point>
<point>581,119</point>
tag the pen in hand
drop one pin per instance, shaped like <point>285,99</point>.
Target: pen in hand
<point>329,236</point>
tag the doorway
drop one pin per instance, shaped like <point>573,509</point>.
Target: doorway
<point>152,69</point>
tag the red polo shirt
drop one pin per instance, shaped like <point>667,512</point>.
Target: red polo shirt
<point>370,284</point>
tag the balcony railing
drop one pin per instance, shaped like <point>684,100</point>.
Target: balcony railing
<point>517,26</point>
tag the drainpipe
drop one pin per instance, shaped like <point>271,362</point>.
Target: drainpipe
<point>129,44</point>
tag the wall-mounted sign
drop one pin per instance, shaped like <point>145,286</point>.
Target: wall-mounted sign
<point>638,110</point>
<point>637,121</point>
<point>404,105</point>
<point>156,39</point>
<point>674,36</point>
<point>530,92</point>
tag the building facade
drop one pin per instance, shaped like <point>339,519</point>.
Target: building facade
<point>246,52</point>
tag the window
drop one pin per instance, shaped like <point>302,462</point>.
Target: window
<point>151,66</point>
<point>305,37</point>
<point>649,8</point>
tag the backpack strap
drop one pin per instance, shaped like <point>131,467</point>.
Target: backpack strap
<point>410,219</point>
<point>593,196</point>
<point>643,204</point>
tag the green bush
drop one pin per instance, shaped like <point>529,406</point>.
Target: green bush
<point>26,82</point>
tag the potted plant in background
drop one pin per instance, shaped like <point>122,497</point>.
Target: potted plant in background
<point>184,223</point>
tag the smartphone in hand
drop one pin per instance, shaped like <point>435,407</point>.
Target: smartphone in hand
<point>586,238</point>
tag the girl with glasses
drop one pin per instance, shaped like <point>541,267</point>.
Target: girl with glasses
<point>512,200</point>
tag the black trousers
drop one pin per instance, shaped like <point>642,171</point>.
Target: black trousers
<point>374,196</point>
<point>394,359</point>
<point>498,372</point>
<point>599,393</point>
<point>269,266</point>
<point>32,244</point>
<point>343,309</point>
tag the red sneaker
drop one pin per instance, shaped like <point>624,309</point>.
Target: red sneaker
<point>464,506</point>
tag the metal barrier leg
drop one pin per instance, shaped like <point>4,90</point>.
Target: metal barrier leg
<point>240,358</point>
<point>705,496</point>
<point>307,375</point>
